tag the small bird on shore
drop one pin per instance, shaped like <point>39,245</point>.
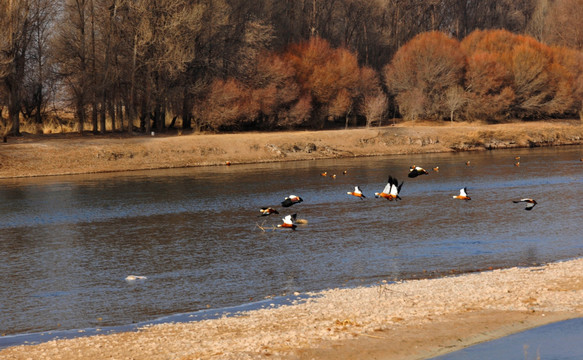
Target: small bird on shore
<point>266,211</point>
<point>345,172</point>
<point>290,200</point>
<point>436,169</point>
<point>517,164</point>
<point>325,173</point>
<point>333,176</point>
<point>357,192</point>
<point>415,171</point>
<point>391,190</point>
<point>530,203</point>
<point>517,158</point>
<point>228,163</point>
<point>288,222</point>
<point>463,195</point>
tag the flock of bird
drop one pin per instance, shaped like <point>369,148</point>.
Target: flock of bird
<point>390,192</point>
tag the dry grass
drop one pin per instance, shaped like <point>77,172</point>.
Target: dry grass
<point>71,153</point>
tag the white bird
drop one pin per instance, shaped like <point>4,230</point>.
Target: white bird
<point>463,195</point>
<point>357,192</point>
<point>288,222</point>
<point>135,277</point>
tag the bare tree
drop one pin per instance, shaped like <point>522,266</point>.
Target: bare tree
<point>375,109</point>
<point>563,23</point>
<point>72,51</point>
<point>455,98</point>
<point>39,80</point>
<point>16,40</point>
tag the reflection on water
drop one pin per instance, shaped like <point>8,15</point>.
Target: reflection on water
<point>67,243</point>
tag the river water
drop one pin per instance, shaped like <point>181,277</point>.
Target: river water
<point>68,243</point>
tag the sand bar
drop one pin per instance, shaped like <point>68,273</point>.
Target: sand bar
<point>413,319</point>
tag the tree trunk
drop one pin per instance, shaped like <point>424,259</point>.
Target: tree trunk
<point>130,104</point>
<point>103,114</point>
<point>93,74</point>
<point>14,113</point>
<point>186,118</point>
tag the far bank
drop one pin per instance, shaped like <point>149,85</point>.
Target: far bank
<point>74,154</point>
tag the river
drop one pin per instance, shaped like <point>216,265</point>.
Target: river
<point>68,243</point>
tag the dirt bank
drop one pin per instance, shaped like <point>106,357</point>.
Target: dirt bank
<point>408,320</point>
<point>74,154</point>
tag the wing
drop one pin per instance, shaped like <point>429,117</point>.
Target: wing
<point>394,187</point>
<point>387,189</point>
<point>287,202</point>
<point>289,219</point>
<point>529,206</point>
<point>463,192</point>
<point>357,190</point>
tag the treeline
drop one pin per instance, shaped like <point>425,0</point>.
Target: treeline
<point>265,64</point>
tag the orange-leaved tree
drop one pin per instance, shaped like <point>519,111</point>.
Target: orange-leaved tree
<point>421,73</point>
<point>511,75</point>
<point>328,76</point>
<point>229,105</point>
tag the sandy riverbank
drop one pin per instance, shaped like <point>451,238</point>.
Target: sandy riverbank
<point>74,154</point>
<point>408,320</point>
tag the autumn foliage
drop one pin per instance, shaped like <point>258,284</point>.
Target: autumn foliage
<point>422,71</point>
<point>491,75</point>
<point>311,84</point>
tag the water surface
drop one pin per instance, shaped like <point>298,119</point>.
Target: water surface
<point>67,243</point>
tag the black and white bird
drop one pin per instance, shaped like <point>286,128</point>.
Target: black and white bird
<point>530,203</point>
<point>415,171</point>
<point>290,200</point>
<point>463,195</point>
<point>391,190</point>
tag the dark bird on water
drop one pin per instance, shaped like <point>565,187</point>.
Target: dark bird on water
<point>415,171</point>
<point>290,200</point>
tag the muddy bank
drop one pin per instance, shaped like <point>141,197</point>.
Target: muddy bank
<point>74,154</point>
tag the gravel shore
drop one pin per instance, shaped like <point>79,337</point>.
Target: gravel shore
<point>413,319</point>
